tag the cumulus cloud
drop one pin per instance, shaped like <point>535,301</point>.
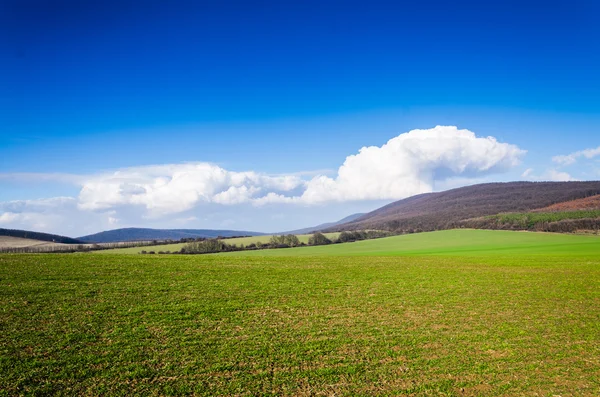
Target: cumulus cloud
<point>414,162</point>
<point>40,215</point>
<point>568,159</point>
<point>411,163</point>
<point>408,164</point>
<point>174,188</point>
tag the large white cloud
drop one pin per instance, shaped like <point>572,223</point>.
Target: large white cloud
<point>410,163</point>
<point>174,188</point>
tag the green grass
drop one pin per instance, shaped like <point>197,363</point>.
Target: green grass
<point>529,219</point>
<point>177,247</point>
<point>473,323</point>
<point>463,242</point>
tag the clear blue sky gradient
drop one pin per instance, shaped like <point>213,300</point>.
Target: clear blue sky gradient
<point>285,86</point>
<point>75,70</point>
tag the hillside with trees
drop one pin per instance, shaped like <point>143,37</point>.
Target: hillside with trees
<point>327,225</point>
<point>144,234</point>
<point>27,234</point>
<point>468,206</point>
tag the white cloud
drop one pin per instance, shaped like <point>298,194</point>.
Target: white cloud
<point>8,218</point>
<point>415,162</point>
<point>55,215</point>
<point>49,205</point>
<point>174,188</point>
<point>568,159</point>
<point>550,175</point>
<point>527,173</point>
<point>410,163</point>
<point>40,215</point>
<point>558,176</point>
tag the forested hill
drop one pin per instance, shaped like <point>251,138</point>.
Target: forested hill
<point>322,226</point>
<point>444,210</point>
<point>144,234</point>
<point>39,236</point>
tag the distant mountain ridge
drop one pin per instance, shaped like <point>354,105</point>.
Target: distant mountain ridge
<point>454,208</point>
<point>139,234</point>
<point>322,226</point>
<point>55,238</point>
<point>445,210</point>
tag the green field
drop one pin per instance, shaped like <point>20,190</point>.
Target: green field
<point>177,247</point>
<point>451,242</point>
<point>461,313</point>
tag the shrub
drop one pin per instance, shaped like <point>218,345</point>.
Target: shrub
<point>318,239</point>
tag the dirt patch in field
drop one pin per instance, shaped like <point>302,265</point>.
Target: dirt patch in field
<point>18,242</point>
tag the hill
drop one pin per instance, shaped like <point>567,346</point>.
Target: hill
<point>445,210</point>
<point>26,234</point>
<point>322,226</point>
<point>144,234</point>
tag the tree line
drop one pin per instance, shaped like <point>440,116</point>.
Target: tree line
<point>279,241</point>
<point>532,224</point>
<point>68,248</point>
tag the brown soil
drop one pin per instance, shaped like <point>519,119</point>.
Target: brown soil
<point>17,242</point>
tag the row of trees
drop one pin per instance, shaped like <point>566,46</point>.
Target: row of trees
<point>205,246</point>
<point>284,241</point>
<point>281,241</point>
<point>68,248</point>
<point>348,237</point>
<point>208,246</point>
<point>561,226</point>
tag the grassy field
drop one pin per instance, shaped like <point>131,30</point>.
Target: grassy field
<point>18,242</point>
<point>176,247</point>
<point>460,242</point>
<point>474,323</point>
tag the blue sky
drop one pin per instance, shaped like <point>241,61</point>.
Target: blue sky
<point>90,90</point>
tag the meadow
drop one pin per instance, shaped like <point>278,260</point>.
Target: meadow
<point>458,242</point>
<point>436,314</point>
<point>235,240</point>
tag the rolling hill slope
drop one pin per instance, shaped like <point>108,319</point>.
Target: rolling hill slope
<point>44,237</point>
<point>445,210</point>
<point>144,234</point>
<point>323,226</point>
